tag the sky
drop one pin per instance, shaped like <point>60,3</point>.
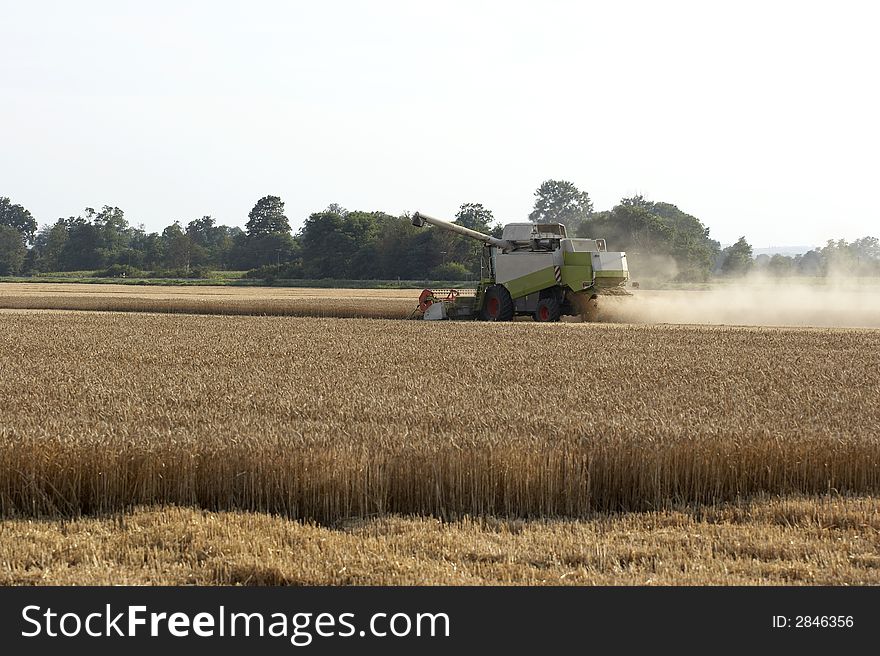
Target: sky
<point>759,118</point>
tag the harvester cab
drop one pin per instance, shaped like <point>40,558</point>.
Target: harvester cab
<point>533,269</point>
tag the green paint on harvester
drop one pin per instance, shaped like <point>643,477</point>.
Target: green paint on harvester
<point>533,282</point>
<point>574,277</point>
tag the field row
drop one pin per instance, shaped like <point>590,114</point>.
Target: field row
<point>821,541</point>
<point>271,301</point>
<point>755,304</point>
<point>323,419</point>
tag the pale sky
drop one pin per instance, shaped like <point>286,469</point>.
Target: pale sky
<point>759,118</point>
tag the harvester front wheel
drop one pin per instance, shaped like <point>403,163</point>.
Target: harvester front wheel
<point>497,305</point>
<point>548,310</point>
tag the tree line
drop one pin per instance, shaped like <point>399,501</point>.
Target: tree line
<point>661,241</point>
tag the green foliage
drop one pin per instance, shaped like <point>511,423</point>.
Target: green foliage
<point>360,245</point>
<point>12,250</point>
<point>49,247</point>
<point>736,260</point>
<point>777,266</point>
<point>273,272</point>
<point>111,226</point>
<point>838,258</point>
<point>559,201</point>
<point>340,244</point>
<point>859,258</point>
<point>462,250</point>
<point>183,272</point>
<point>17,217</point>
<point>210,244</point>
<point>810,263</point>
<point>660,240</point>
<point>267,218</point>
<point>101,239</point>
<point>119,271</point>
<point>177,247</point>
<point>81,249</point>
<point>267,240</point>
<point>451,271</point>
<point>474,216</point>
<point>263,250</point>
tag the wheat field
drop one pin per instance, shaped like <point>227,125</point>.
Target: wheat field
<point>223,300</point>
<point>829,304</point>
<point>314,423</point>
<point>819,541</point>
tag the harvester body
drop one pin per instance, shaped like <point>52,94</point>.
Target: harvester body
<point>532,269</point>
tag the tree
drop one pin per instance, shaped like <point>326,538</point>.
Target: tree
<point>395,252</point>
<point>867,248</point>
<point>81,246</point>
<point>559,201</point>
<point>112,233</point>
<point>267,218</point>
<point>690,246</point>
<point>262,250</point>
<point>342,246</point>
<point>660,240</point>
<point>12,250</point>
<point>177,247</point>
<point>859,258</point>
<point>49,247</point>
<point>450,271</point>
<point>810,263</point>
<point>780,265</point>
<point>737,259</point>
<point>209,241</point>
<point>16,216</point>
<point>761,262</point>
<point>212,244</point>
<point>95,240</point>
<point>145,249</point>
<point>474,216</point>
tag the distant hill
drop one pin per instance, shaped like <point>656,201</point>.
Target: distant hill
<point>782,250</point>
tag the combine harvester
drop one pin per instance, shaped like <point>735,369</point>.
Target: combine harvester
<point>535,269</point>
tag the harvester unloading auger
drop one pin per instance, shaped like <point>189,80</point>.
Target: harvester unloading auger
<point>533,269</point>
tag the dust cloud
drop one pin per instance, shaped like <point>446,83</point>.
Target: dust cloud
<point>751,303</point>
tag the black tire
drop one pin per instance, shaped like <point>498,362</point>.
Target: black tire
<point>548,310</point>
<point>497,304</point>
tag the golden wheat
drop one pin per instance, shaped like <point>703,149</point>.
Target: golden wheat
<point>818,541</point>
<point>323,419</point>
<point>789,304</point>
<point>271,301</point>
